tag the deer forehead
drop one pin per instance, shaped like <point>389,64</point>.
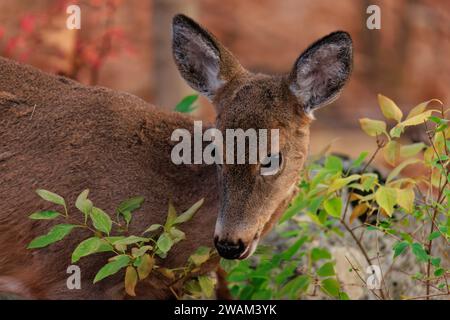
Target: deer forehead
<point>256,101</point>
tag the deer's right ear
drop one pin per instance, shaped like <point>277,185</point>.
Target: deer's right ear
<point>321,71</point>
<point>202,61</point>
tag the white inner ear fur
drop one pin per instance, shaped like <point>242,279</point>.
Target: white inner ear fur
<point>203,58</point>
<point>316,74</point>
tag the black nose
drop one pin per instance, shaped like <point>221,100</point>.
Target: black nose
<point>229,250</point>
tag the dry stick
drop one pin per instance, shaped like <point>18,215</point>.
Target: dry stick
<point>360,277</point>
<point>430,242</point>
<point>380,144</point>
<point>428,296</point>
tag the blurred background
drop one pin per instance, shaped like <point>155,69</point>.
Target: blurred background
<point>126,45</point>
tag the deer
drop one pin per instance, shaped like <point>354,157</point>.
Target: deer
<point>60,135</point>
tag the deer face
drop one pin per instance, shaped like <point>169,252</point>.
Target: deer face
<point>252,197</point>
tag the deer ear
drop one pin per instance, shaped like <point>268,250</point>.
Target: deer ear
<point>202,61</point>
<point>322,70</point>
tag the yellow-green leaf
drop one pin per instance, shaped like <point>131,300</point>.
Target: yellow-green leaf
<point>200,256</point>
<point>333,207</point>
<point>389,108</point>
<point>340,182</point>
<point>171,216</point>
<point>207,285</point>
<point>51,197</point>
<point>146,266</point>
<point>101,220</point>
<point>421,108</point>
<point>55,234</point>
<point>44,215</point>
<point>90,246</point>
<point>119,262</point>
<point>187,215</point>
<point>386,198</point>
<point>411,149</point>
<point>391,152</point>
<point>396,171</point>
<point>417,119</point>
<point>373,127</point>
<point>405,199</point>
<point>83,203</point>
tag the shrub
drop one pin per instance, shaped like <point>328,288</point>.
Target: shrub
<point>335,197</point>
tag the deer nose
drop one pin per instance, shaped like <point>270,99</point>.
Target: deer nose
<point>229,250</point>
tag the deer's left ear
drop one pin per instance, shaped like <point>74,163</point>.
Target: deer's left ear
<point>322,70</point>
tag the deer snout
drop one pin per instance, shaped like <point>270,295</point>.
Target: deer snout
<point>229,249</point>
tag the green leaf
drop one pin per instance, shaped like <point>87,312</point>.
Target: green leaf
<point>128,206</point>
<point>164,242</point>
<point>44,215</point>
<point>436,262</point>
<point>120,262</point>
<point>295,286</point>
<point>228,265</point>
<point>101,220</point>
<point>434,235</point>
<point>326,270</point>
<point>189,213</point>
<point>386,198</point>
<point>333,207</point>
<point>186,104</point>
<point>57,233</point>
<point>439,272</point>
<point>399,248</point>
<point>319,254</point>
<point>359,161</point>
<point>419,252</point>
<point>130,240</point>
<point>153,227</point>
<point>292,250</point>
<point>207,285</point>
<point>131,204</point>
<point>51,197</point>
<point>389,108</point>
<point>330,286</point>
<point>373,127</point>
<point>90,246</point>
<point>200,256</point>
<point>334,164</point>
<point>83,203</point>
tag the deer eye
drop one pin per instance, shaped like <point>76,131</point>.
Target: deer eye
<point>271,164</point>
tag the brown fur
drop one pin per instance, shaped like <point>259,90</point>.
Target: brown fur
<point>81,137</point>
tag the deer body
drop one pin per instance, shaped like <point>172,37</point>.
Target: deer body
<point>59,135</point>
<point>79,137</point>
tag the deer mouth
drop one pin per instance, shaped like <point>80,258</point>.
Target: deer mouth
<point>251,247</point>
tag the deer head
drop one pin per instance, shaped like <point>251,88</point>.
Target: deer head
<point>252,201</point>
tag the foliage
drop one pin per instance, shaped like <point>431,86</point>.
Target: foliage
<point>336,200</point>
<point>139,255</point>
<point>186,105</point>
